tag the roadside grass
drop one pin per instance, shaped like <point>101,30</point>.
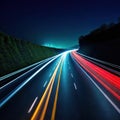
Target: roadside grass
<point>16,54</point>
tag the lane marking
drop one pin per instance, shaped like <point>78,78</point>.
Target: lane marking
<point>8,97</point>
<point>11,82</point>
<point>56,95</point>
<point>45,84</point>
<point>75,86</point>
<point>50,74</point>
<point>71,75</point>
<point>69,67</point>
<point>31,107</point>
<point>47,93</point>
<point>108,80</point>
<point>103,93</point>
<point>20,70</point>
<point>46,102</point>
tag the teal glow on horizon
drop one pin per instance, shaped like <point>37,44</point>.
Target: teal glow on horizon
<point>56,23</point>
<point>60,43</point>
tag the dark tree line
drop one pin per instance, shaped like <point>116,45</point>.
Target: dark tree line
<point>104,33</point>
<point>102,43</point>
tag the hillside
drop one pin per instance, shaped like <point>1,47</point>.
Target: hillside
<point>16,54</point>
<point>102,43</point>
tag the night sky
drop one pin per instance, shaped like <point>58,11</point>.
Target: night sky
<point>57,23</point>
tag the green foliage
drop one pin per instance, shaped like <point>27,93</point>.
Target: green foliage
<point>16,54</point>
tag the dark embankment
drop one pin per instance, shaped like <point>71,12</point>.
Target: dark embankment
<point>16,54</point>
<point>102,43</point>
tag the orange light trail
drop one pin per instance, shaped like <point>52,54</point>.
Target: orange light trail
<point>41,109</point>
<point>47,92</point>
<point>56,96</point>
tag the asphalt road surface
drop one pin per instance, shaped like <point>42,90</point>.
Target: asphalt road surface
<point>66,87</point>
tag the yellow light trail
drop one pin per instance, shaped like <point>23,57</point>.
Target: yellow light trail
<point>47,90</point>
<point>56,96</point>
<point>46,103</point>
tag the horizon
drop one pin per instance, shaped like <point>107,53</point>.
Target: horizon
<point>56,24</point>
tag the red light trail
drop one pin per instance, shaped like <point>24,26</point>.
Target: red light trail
<point>108,80</point>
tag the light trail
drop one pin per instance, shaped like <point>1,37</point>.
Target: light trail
<point>71,75</point>
<point>104,94</point>
<point>110,81</point>
<point>45,84</point>
<point>56,95</point>
<point>47,93</point>
<point>100,61</point>
<point>75,86</point>
<point>20,70</point>
<point>8,97</point>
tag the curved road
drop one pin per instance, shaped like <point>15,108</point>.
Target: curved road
<point>66,88</point>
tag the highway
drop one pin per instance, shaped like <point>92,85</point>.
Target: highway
<point>64,87</point>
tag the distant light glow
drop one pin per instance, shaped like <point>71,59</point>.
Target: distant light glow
<point>69,51</point>
<point>48,45</point>
<point>60,42</point>
<point>59,22</point>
